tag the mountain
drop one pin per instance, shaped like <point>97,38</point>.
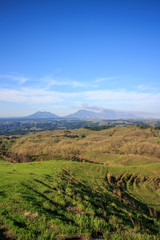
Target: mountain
<point>83,114</point>
<point>104,114</point>
<point>111,114</point>
<point>43,115</point>
<point>100,114</point>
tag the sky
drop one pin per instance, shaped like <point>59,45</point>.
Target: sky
<point>64,55</point>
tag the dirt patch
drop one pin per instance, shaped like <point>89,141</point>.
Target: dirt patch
<point>31,215</point>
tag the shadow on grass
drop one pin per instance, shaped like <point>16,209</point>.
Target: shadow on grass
<point>49,212</point>
<point>100,199</point>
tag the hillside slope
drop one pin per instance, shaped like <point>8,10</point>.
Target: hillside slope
<point>71,200</point>
<point>89,183</point>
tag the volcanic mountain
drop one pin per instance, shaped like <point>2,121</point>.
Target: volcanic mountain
<point>111,114</point>
<point>43,115</point>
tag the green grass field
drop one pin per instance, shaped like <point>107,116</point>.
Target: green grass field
<point>92,191</point>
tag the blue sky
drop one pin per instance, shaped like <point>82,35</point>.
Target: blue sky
<point>64,55</point>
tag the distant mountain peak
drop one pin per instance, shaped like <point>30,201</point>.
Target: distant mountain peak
<point>111,114</point>
<point>43,114</point>
<point>83,114</point>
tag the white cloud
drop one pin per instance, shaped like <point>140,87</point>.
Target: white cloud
<point>106,79</point>
<point>145,87</point>
<point>39,95</point>
<point>87,107</point>
<point>19,79</point>
<point>120,96</point>
<point>142,99</point>
<point>29,96</point>
<point>50,81</point>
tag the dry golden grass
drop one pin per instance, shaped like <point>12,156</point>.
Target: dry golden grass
<point>118,145</point>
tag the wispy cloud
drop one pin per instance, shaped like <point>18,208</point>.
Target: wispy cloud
<point>103,98</point>
<point>19,79</point>
<point>61,82</point>
<point>32,95</point>
<point>145,87</point>
<point>121,96</point>
<point>28,96</point>
<point>87,107</point>
<point>106,79</point>
<point>81,92</point>
<point>67,83</point>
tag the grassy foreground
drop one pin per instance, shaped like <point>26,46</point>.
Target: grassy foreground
<point>78,200</point>
<point>81,184</point>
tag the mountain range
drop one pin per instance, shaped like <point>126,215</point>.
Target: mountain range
<point>102,114</point>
